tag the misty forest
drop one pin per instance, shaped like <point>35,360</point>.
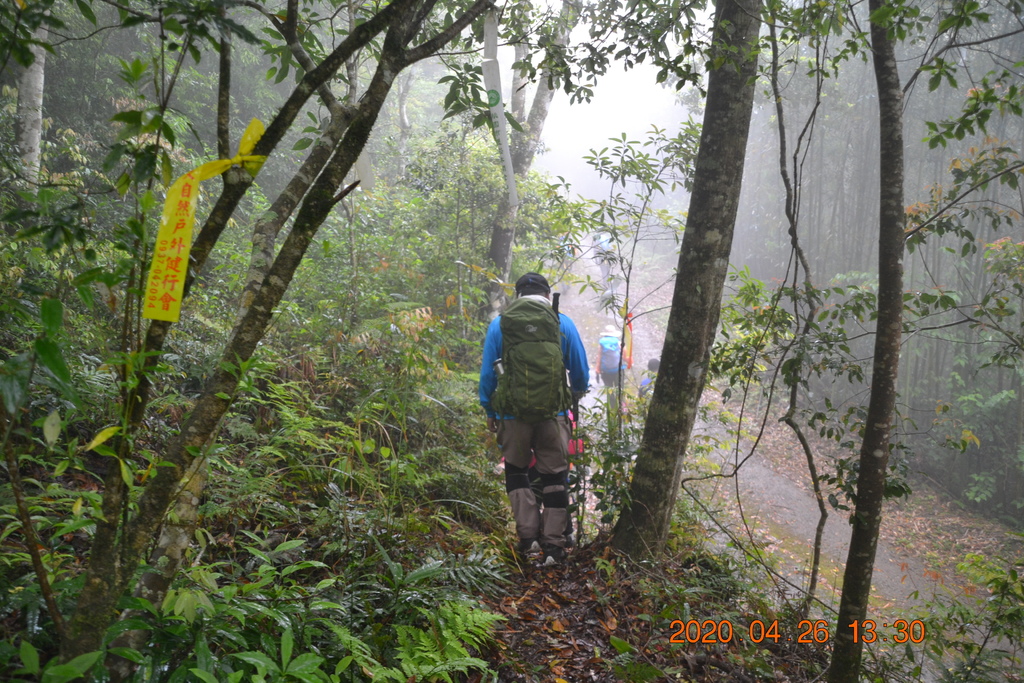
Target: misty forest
<point>249,252</point>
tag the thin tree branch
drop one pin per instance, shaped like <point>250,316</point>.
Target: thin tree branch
<point>224,98</point>
<point>431,46</point>
<point>953,202</point>
<point>953,45</point>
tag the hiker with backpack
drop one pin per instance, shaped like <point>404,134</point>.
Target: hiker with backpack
<point>647,383</point>
<point>528,350</point>
<point>610,358</point>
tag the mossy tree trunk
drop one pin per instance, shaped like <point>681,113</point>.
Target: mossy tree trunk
<point>642,528</point>
<point>874,453</point>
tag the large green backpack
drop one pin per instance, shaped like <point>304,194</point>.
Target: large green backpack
<point>532,386</point>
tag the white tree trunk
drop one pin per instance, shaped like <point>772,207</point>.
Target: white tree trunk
<point>30,108</point>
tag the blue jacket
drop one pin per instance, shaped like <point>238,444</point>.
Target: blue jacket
<point>573,354</point>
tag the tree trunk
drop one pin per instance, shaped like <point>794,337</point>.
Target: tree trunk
<point>404,124</point>
<point>524,148</point>
<point>642,529</point>
<point>30,108</point>
<point>874,454</point>
<point>176,534</point>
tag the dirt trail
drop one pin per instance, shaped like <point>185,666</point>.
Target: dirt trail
<point>787,515</point>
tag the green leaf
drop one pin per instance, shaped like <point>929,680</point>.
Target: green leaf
<point>145,165</point>
<point>130,118</point>
<point>205,676</point>
<point>60,674</point>
<point>86,11</point>
<point>204,658</point>
<point>51,428</point>
<point>126,473</point>
<point>166,169</point>
<point>883,15</point>
<point>123,184</point>
<point>29,657</point>
<point>101,437</point>
<point>14,379</point>
<point>83,663</point>
<point>131,654</point>
<point>76,668</point>
<point>305,664</point>
<point>287,643</point>
<point>257,659</point>
<point>288,545</point>
<point>50,357</point>
<point>619,644</point>
<point>303,144</point>
<point>514,123</point>
<point>51,312</point>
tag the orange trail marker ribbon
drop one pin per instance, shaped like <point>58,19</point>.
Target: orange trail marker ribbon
<point>166,283</point>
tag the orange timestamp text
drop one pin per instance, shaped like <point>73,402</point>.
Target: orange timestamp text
<point>708,631</point>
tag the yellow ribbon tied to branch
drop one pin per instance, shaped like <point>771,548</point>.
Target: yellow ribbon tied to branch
<point>167,272</point>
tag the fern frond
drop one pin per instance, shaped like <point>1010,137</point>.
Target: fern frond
<point>464,623</point>
<point>476,573</point>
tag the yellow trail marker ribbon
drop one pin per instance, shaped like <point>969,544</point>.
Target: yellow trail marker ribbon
<point>167,272</point>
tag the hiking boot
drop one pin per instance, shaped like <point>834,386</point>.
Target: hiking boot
<point>553,555</point>
<point>528,546</point>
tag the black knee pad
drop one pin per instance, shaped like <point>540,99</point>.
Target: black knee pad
<point>557,479</point>
<point>556,499</point>
<point>516,478</point>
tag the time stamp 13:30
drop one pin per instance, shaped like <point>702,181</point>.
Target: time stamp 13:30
<point>757,631</point>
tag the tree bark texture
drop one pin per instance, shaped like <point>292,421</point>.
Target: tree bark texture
<point>874,454</point>
<point>172,544</point>
<point>122,541</point>
<point>642,528</point>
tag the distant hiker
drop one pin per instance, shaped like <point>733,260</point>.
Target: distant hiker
<point>604,254</point>
<point>523,388</point>
<point>647,383</point>
<point>610,361</point>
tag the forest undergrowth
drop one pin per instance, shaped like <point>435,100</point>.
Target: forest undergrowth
<point>353,528</point>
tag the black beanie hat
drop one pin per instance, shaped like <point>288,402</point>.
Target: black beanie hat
<point>532,283</point>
